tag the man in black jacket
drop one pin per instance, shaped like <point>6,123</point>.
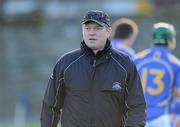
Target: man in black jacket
<point>94,86</point>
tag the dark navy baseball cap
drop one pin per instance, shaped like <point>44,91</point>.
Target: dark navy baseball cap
<point>97,16</point>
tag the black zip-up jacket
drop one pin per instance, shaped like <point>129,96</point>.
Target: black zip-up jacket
<point>87,90</point>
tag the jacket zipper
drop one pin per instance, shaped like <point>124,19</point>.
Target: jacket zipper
<point>92,93</point>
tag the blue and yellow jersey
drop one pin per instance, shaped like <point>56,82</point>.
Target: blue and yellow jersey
<point>159,70</point>
<point>119,46</point>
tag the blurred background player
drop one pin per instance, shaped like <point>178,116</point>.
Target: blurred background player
<point>124,34</point>
<point>160,74</point>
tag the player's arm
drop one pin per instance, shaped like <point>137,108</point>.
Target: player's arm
<point>176,105</point>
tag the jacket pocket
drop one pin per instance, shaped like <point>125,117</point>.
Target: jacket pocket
<point>113,95</point>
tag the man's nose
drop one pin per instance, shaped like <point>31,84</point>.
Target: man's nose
<point>92,32</point>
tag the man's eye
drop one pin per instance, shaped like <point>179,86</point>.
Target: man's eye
<point>98,28</point>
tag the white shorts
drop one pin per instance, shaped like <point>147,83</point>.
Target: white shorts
<point>162,121</point>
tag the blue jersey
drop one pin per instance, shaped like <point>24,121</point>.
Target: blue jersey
<point>118,45</point>
<point>159,70</point>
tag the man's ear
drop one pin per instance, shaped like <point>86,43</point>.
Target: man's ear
<point>109,30</point>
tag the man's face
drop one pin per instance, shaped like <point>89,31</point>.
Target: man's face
<point>95,36</point>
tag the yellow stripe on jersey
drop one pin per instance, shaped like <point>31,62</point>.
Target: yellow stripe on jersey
<point>173,59</point>
<point>141,54</point>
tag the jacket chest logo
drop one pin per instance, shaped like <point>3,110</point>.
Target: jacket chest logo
<point>116,86</point>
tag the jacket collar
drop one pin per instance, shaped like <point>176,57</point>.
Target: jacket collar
<point>99,54</point>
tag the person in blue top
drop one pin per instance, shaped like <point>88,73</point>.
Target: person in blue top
<point>124,34</point>
<point>159,70</point>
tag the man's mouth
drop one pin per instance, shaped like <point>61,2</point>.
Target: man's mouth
<point>92,39</point>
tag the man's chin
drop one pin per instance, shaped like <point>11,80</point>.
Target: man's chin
<point>91,45</point>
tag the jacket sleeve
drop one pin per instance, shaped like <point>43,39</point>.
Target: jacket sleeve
<point>136,104</point>
<point>53,99</point>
